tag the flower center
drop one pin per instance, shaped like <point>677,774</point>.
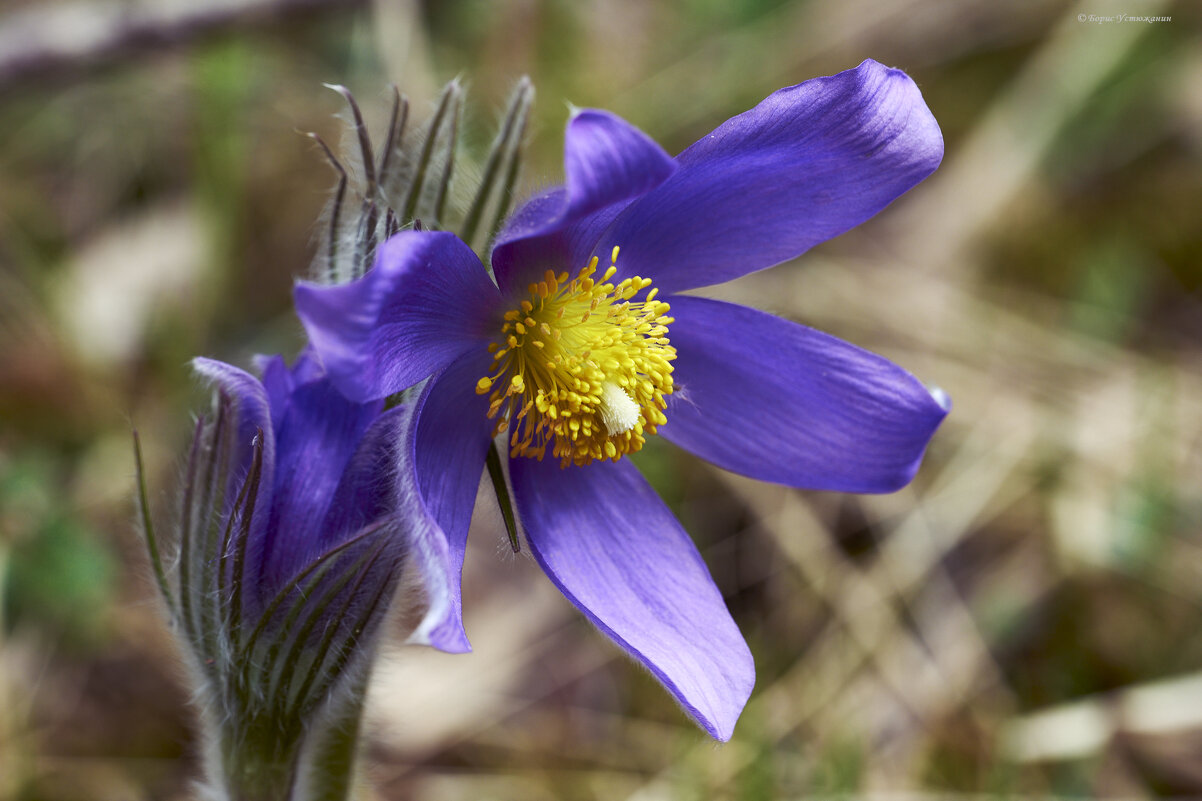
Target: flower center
<point>581,367</point>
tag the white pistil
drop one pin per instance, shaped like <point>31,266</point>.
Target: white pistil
<point>618,412</point>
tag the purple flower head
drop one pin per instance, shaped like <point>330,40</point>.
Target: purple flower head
<point>290,546</point>
<point>583,348</point>
<point>319,482</point>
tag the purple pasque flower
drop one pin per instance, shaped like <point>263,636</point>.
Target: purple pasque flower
<point>583,348</point>
<point>291,543</point>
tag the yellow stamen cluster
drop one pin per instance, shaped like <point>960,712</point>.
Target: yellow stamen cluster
<point>581,367</point>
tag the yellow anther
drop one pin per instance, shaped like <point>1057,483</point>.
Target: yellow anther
<point>581,367</point>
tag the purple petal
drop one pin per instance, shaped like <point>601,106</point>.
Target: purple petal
<point>606,161</point>
<point>278,382</point>
<point>426,301</point>
<point>366,492</point>
<point>307,368</point>
<point>777,401</point>
<point>253,412</point>
<point>367,498</point>
<point>318,434</point>
<point>253,418</point>
<point>439,476</point>
<point>613,548</point>
<point>806,164</point>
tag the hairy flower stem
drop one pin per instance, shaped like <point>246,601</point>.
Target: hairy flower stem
<point>259,762</point>
<point>332,757</point>
<point>260,766</point>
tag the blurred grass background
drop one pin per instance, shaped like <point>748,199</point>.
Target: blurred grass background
<point>1025,621</point>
